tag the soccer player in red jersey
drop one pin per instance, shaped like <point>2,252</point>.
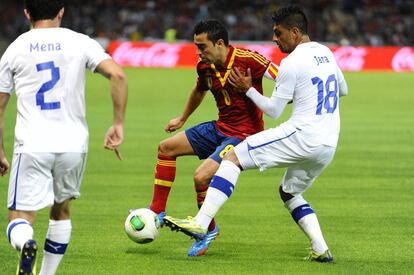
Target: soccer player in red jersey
<point>238,118</point>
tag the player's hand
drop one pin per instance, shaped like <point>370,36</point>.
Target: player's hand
<point>4,165</point>
<point>240,81</point>
<point>174,124</point>
<point>113,138</point>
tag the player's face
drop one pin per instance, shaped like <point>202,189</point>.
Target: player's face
<point>206,49</point>
<point>284,38</point>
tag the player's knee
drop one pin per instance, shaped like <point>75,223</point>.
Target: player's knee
<point>230,155</point>
<point>201,178</point>
<point>164,148</point>
<point>283,195</point>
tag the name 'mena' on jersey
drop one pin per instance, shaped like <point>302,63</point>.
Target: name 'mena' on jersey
<point>50,47</point>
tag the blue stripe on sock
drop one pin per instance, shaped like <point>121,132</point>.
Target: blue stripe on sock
<point>13,226</point>
<point>301,211</point>
<point>54,247</point>
<point>223,185</point>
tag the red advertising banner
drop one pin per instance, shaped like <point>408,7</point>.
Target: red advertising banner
<point>144,54</point>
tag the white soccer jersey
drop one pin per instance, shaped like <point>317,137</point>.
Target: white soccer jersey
<point>46,67</point>
<point>310,77</point>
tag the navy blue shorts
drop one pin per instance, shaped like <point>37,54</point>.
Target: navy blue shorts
<point>208,142</point>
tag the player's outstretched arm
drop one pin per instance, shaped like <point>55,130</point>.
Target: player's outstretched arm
<point>4,164</point>
<point>119,91</point>
<point>194,100</point>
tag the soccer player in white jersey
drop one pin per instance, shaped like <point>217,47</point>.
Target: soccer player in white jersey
<point>305,144</point>
<point>46,68</point>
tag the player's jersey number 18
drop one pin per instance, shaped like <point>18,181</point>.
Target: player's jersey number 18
<point>327,94</point>
<point>47,86</point>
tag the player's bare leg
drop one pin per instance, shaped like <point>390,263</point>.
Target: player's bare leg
<point>29,216</point>
<point>168,150</point>
<point>57,237</point>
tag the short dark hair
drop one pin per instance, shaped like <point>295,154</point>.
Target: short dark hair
<point>215,30</point>
<point>43,9</point>
<point>291,16</point>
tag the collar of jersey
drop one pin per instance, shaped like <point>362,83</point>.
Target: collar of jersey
<point>229,62</point>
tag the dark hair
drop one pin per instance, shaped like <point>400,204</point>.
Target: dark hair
<point>291,16</point>
<point>43,9</point>
<point>215,30</point>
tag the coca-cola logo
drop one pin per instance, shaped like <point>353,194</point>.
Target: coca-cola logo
<point>152,55</point>
<point>350,58</point>
<point>403,60</point>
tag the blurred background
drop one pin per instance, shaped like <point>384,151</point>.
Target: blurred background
<point>335,22</point>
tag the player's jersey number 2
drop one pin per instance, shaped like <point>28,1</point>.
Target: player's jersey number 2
<point>47,86</point>
<point>327,94</point>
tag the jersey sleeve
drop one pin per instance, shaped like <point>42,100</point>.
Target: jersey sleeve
<point>95,54</point>
<point>273,107</point>
<point>285,81</point>
<point>343,87</point>
<point>6,75</point>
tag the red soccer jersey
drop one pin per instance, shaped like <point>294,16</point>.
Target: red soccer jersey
<point>238,115</point>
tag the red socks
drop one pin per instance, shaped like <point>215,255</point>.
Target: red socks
<point>164,178</point>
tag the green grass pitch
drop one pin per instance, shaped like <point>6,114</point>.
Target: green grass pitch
<point>364,200</point>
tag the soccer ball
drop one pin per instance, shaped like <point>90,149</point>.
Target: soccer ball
<point>142,225</point>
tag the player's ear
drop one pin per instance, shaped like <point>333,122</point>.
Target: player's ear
<point>60,13</point>
<point>220,42</point>
<point>295,32</point>
<point>27,15</point>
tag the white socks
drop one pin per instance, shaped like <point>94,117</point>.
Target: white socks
<point>306,218</point>
<point>221,188</point>
<point>19,231</point>
<point>310,226</point>
<point>57,239</point>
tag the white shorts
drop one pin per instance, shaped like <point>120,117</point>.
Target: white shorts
<point>38,180</point>
<point>277,148</point>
